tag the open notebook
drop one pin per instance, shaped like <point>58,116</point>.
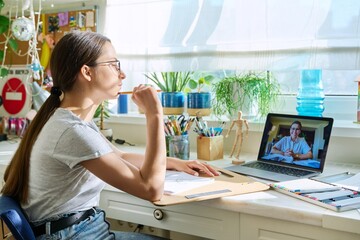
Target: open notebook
<point>315,131</point>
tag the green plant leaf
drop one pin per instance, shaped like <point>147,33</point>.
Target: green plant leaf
<point>4,24</point>
<point>155,79</point>
<point>209,78</point>
<point>104,108</point>
<point>4,72</point>
<point>193,84</point>
<point>201,81</point>
<point>171,81</point>
<point>13,44</point>
<point>1,55</point>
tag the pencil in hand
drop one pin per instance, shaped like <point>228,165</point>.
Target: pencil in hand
<point>131,92</point>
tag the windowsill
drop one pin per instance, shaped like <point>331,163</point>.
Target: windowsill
<point>341,128</point>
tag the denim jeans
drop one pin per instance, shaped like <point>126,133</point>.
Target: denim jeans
<point>94,228</point>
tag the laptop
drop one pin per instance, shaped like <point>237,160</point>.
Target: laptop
<point>273,165</point>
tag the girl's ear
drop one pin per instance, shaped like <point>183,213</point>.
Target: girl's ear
<point>85,71</point>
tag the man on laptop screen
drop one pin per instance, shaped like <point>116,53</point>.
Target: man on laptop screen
<point>292,147</point>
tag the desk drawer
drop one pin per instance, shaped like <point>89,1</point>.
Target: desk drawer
<point>189,218</point>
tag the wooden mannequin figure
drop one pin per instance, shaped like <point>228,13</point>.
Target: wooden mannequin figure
<point>239,137</point>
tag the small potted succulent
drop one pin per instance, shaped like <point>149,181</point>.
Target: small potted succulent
<point>172,85</point>
<point>199,102</point>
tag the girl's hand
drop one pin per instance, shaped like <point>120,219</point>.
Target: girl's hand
<point>145,97</point>
<point>193,167</point>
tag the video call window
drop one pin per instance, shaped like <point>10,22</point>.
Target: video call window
<point>314,132</point>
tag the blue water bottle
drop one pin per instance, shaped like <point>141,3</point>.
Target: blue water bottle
<point>310,98</point>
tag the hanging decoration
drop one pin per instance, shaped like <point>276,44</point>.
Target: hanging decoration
<point>36,34</point>
<point>23,29</point>
<point>26,5</point>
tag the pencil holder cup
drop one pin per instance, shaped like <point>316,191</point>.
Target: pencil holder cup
<point>210,148</point>
<point>179,146</point>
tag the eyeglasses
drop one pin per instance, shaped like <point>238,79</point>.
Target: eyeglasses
<point>114,63</point>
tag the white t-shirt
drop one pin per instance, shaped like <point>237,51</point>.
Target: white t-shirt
<point>58,184</point>
<point>298,146</point>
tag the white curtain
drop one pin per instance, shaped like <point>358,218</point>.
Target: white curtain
<point>165,35</point>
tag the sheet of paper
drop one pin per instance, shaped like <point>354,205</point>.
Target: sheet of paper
<point>176,182</point>
<point>350,183</point>
<point>90,20</point>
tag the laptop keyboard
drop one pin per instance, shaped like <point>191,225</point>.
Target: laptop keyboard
<point>278,169</point>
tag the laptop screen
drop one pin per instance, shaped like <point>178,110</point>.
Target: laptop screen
<point>300,141</point>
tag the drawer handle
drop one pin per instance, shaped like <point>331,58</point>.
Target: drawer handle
<point>158,214</point>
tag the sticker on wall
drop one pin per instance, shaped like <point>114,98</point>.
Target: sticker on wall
<point>80,18</point>
<point>72,22</point>
<point>63,19</point>
<point>53,22</point>
<point>13,96</point>
<point>90,19</point>
<point>15,101</point>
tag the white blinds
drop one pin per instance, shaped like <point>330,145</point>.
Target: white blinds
<point>164,35</point>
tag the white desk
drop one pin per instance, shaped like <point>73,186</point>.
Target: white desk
<point>262,215</point>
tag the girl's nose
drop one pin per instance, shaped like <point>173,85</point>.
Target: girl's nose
<point>122,75</point>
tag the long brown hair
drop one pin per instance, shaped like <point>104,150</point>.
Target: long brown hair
<point>73,51</point>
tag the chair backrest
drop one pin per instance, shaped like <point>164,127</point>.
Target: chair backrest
<point>14,218</point>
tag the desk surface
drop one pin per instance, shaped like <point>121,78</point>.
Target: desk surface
<point>268,203</point>
<point>276,205</point>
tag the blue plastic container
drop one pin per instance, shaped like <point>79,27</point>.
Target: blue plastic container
<point>310,98</point>
<point>123,103</point>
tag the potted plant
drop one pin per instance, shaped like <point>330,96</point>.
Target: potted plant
<point>200,100</point>
<point>172,85</point>
<point>102,112</point>
<point>252,93</point>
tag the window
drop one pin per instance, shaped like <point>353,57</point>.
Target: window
<point>277,35</point>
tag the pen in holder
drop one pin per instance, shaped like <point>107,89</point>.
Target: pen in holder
<point>210,148</point>
<point>167,140</point>
<point>176,136</point>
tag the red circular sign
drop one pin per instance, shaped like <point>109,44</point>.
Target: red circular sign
<point>13,95</point>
